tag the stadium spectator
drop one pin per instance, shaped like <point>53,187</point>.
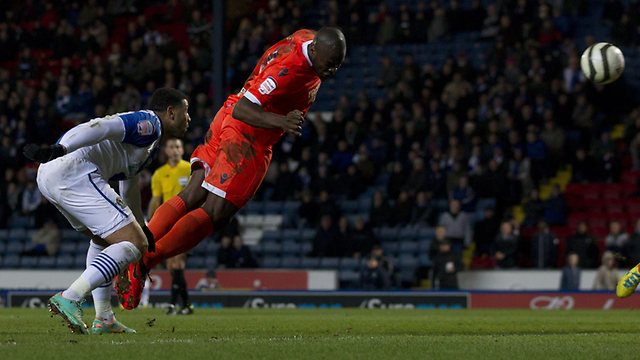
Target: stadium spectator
<point>445,268</point>
<point>225,250</point>
<point>423,212</point>
<point>241,256</point>
<point>544,247</point>
<point>555,207</point>
<point>325,240</point>
<point>506,246</point>
<point>458,227</point>
<point>617,239</point>
<point>632,250</point>
<point>380,212</point>
<point>374,276</point>
<point>570,279</point>
<point>385,262</point>
<point>465,194</point>
<point>533,209</point>
<point>485,231</point>
<point>584,246</point>
<point>363,238</point>
<point>45,241</point>
<point>209,282</point>
<point>607,274</point>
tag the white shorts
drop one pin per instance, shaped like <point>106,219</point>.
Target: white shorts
<point>76,188</point>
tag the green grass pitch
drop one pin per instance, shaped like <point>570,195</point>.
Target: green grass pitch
<point>331,334</point>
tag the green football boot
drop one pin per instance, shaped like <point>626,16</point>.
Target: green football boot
<point>70,311</point>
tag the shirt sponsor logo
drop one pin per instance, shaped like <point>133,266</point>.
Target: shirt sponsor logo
<point>224,177</point>
<point>267,86</point>
<point>145,128</point>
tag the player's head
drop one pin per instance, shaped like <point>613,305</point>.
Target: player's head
<point>327,51</point>
<point>173,149</point>
<point>172,107</point>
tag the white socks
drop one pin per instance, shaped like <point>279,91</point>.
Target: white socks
<point>103,264</point>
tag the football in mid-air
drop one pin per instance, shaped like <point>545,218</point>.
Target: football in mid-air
<point>602,63</point>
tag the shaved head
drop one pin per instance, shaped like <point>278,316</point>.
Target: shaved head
<point>327,51</point>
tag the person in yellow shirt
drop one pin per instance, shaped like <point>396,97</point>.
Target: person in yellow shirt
<point>166,182</point>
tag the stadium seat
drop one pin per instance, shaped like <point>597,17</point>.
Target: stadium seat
<point>290,248</point>
<point>271,249</point>
<point>349,206</point>
<point>271,236</point>
<point>82,248</point>
<point>200,249</point>
<point>270,262</point>
<point>386,233</point>
<point>408,247</point>
<point>68,247</point>
<point>329,263</point>
<point>11,262</point>
<point>212,247</point>
<point>426,233</point>
<point>407,277</point>
<point>80,261</point>
<point>18,235</point>
<point>4,234</point>
<point>210,262</point>
<point>407,234</point>
<point>348,263</point>
<point>349,279</point>
<point>196,262</point>
<point>290,235</point>
<point>64,261</point>
<point>309,263</point>
<point>272,221</point>
<point>14,247</point>
<point>28,262</point>
<point>307,234</point>
<point>290,262</point>
<point>273,207</point>
<point>47,262</point>
<point>3,247</point>
<point>305,248</point>
<point>423,260</point>
<point>390,247</point>
<point>407,262</point>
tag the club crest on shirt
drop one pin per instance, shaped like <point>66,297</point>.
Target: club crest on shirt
<point>312,94</point>
<point>267,86</point>
<point>145,128</point>
<point>120,202</point>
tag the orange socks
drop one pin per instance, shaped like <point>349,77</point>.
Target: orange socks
<point>185,235</point>
<point>166,216</point>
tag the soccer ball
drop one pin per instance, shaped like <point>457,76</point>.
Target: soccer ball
<point>602,63</point>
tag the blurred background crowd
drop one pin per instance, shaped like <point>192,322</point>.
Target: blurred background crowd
<point>508,122</point>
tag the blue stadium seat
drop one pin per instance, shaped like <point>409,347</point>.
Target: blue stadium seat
<point>271,235</point>
<point>212,247</point>
<point>14,247</point>
<point>290,262</point>
<point>407,276</point>
<point>309,263</point>
<point>407,233</point>
<point>254,207</point>
<point>329,263</point>
<point>347,263</point>
<point>3,247</point>
<point>67,247</point>
<point>408,247</point>
<point>291,206</point>
<point>273,207</point>
<point>390,247</point>
<point>305,248</point>
<point>486,203</point>
<point>349,279</point>
<point>290,235</point>
<point>18,234</point>
<point>307,234</point>
<point>28,262</point>
<point>271,249</point>
<point>4,234</point>
<point>290,248</point>
<point>64,261</point>
<point>426,233</point>
<point>211,262</point>
<point>82,248</point>
<point>11,262</point>
<point>47,262</point>
<point>68,234</point>
<point>423,260</point>
<point>200,249</point>
<point>386,233</point>
<point>80,261</point>
<point>270,262</point>
<point>407,262</point>
<point>424,246</point>
<point>196,262</point>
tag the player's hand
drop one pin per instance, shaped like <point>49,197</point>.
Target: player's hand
<point>293,122</point>
<point>42,154</point>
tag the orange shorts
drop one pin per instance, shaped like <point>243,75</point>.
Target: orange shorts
<point>234,163</point>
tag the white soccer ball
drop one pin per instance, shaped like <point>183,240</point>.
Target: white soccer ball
<point>602,63</point>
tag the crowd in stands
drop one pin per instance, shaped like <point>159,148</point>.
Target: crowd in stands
<point>455,132</point>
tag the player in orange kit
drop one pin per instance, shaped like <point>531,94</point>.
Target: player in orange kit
<point>228,169</point>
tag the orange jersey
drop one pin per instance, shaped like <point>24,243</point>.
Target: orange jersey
<point>283,80</point>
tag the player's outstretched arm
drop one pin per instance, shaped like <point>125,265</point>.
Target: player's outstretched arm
<point>255,115</point>
<point>87,134</point>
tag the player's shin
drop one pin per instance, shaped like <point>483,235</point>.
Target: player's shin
<point>102,294</point>
<point>166,216</point>
<point>102,269</point>
<point>185,235</point>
